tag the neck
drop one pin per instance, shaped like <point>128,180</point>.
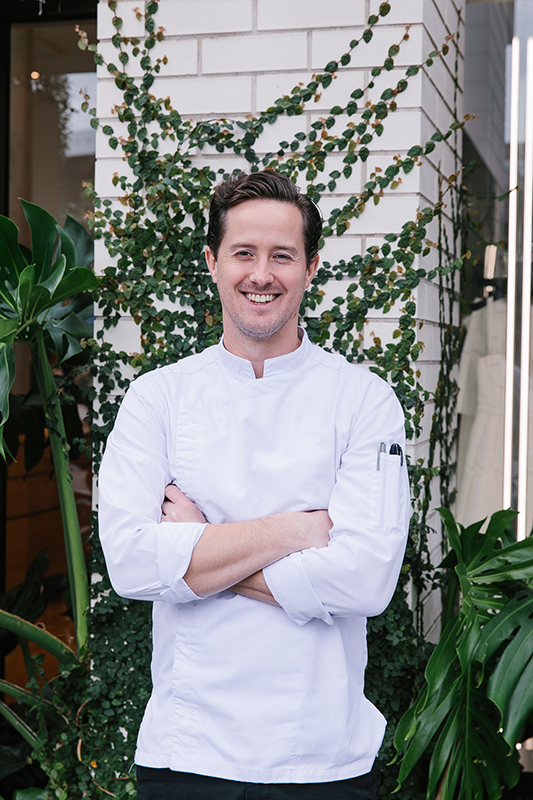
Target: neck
<point>257,351</point>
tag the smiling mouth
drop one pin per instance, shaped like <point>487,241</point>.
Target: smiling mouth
<point>260,299</point>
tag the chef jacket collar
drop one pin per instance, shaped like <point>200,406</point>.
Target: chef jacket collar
<point>273,366</point>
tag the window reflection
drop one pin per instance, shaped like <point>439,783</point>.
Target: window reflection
<point>52,143</point>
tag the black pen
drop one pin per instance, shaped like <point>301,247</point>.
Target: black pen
<point>396,450</point>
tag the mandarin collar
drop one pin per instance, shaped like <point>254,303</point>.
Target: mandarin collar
<point>273,366</point>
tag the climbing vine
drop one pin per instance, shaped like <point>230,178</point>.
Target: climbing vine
<point>155,237</point>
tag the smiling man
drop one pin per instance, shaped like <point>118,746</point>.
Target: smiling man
<point>257,494</point>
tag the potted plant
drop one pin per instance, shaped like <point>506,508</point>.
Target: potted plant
<point>42,305</point>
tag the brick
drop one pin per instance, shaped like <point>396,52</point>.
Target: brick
<point>283,129</point>
<point>126,10</point>
<point>410,98</point>
<point>382,328</point>
<point>182,58</point>
<point>126,335</point>
<point>387,217</point>
<point>256,53</point>
<point>102,259</point>
<point>272,87</point>
<point>401,130</point>
<point>228,162</point>
<point>337,248</point>
<point>280,14</point>
<point>400,13</point>
<point>330,45</point>
<point>410,183</point>
<point>108,95</point>
<point>203,95</point>
<point>103,150</point>
<point>105,169</point>
<point>184,17</point>
<point>182,55</point>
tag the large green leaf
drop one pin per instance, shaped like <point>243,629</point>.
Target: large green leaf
<point>484,660</point>
<point>511,563</point>
<point>23,694</point>
<point>82,241</point>
<point>448,737</point>
<point>68,248</point>
<point>57,272</point>
<point>427,724</point>
<point>7,376</point>
<point>520,706</point>
<point>31,794</point>
<point>66,331</point>
<point>498,525</point>
<point>44,238</point>
<point>12,260</point>
<point>443,657</point>
<point>25,286</point>
<point>48,642</point>
<point>8,329</point>
<point>18,723</point>
<point>13,758</point>
<point>74,282</point>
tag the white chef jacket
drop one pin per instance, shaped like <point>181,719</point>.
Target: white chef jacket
<point>244,690</point>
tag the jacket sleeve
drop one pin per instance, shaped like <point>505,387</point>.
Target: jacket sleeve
<point>370,510</point>
<point>146,558</point>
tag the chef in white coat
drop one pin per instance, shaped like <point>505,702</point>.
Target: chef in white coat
<point>257,494</point>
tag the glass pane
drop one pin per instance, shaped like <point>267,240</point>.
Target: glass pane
<point>487,89</point>
<point>489,30</point>
<point>52,143</point>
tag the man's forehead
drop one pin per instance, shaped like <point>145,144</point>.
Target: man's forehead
<point>259,212</point>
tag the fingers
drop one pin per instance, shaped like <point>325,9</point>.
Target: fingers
<point>177,507</point>
<point>173,493</point>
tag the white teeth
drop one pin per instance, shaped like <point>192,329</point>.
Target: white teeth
<point>261,298</point>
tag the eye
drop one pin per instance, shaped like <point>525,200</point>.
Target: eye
<point>243,254</point>
<point>282,257</point>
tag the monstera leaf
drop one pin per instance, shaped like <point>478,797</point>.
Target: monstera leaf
<point>478,691</point>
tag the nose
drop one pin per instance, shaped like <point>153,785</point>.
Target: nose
<point>261,272</point>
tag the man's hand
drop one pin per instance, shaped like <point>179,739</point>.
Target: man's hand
<point>178,508</point>
<point>316,526</point>
<point>256,588</point>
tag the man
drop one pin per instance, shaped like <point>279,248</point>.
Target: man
<point>283,526</point>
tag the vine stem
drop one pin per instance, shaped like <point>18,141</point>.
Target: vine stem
<point>77,571</point>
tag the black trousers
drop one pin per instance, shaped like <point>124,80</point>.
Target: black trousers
<point>164,784</point>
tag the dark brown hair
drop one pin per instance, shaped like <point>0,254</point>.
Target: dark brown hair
<point>266,185</point>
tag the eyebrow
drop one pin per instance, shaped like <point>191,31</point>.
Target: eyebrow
<point>244,246</point>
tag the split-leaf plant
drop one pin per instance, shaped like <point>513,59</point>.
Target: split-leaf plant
<point>40,306</point>
<point>155,237</point>
<point>478,690</point>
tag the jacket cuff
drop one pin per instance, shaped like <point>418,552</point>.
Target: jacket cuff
<point>173,561</point>
<point>291,588</point>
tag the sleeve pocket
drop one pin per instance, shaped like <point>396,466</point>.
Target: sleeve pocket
<point>387,496</point>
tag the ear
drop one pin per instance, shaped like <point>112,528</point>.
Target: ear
<point>311,271</point>
<point>211,263</point>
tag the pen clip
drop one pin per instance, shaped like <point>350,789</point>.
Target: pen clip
<point>396,450</point>
<point>382,449</point>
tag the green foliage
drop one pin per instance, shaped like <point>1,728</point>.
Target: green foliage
<point>478,691</point>
<point>35,288</point>
<point>155,237</point>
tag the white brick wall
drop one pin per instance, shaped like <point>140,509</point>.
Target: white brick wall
<point>236,57</point>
